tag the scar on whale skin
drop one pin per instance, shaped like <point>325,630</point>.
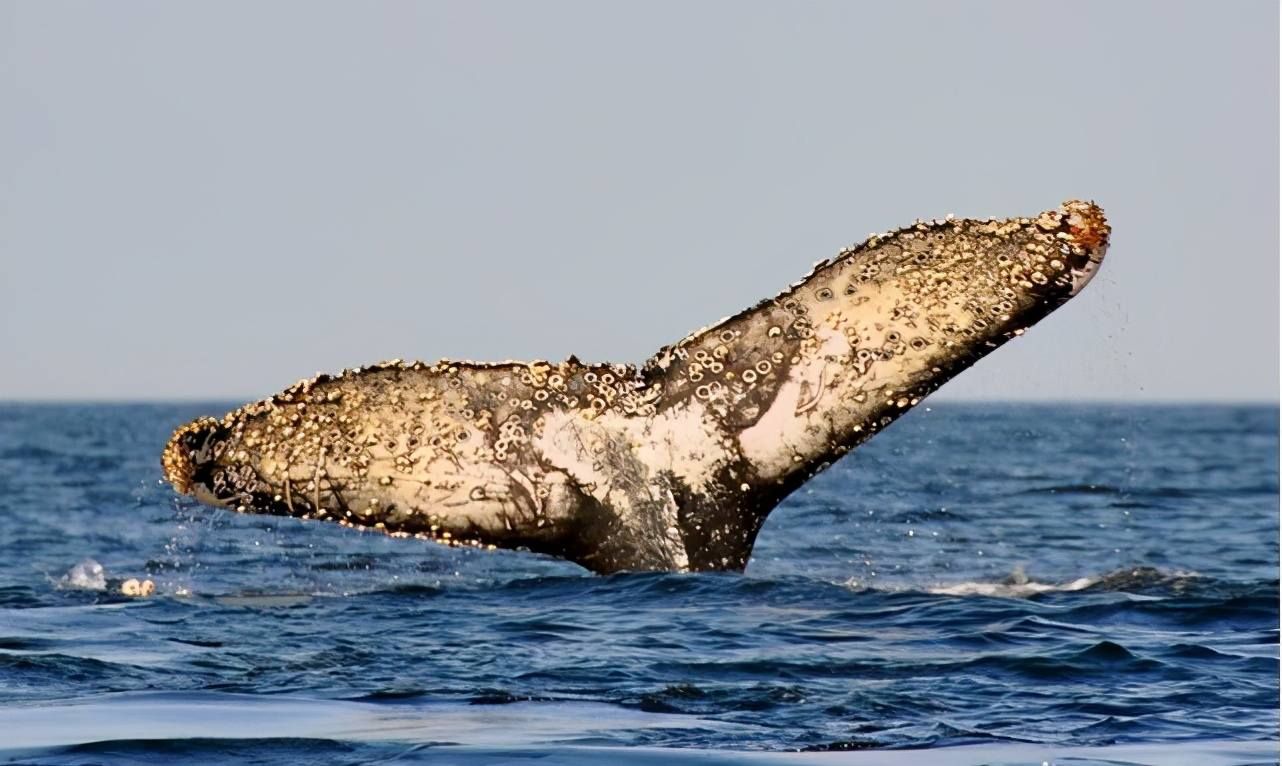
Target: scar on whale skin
<point>672,465</point>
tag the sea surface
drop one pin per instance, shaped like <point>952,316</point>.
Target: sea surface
<point>1081,584</point>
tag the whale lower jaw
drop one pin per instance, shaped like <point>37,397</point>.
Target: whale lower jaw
<point>1083,276</point>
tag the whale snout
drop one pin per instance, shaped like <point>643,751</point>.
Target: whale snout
<point>189,457</point>
<point>1086,231</point>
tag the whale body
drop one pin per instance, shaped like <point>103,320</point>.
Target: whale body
<point>672,465</point>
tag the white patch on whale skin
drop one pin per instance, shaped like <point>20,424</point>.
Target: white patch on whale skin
<point>783,431</point>
<point>828,397</point>
<point>681,440</point>
<point>686,441</point>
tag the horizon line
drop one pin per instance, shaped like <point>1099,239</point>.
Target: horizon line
<point>1157,401</point>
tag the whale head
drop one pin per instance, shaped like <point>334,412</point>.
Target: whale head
<point>925,302</point>
<point>1086,232</point>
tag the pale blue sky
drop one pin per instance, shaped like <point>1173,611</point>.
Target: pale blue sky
<point>211,200</point>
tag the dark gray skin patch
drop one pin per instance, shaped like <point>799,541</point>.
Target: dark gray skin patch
<point>720,527</point>
<point>673,466</point>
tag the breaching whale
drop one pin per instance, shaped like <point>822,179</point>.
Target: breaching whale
<point>672,465</point>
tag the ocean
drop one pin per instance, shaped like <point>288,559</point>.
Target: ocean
<point>982,583</point>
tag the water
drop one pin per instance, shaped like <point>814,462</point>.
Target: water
<point>981,583</point>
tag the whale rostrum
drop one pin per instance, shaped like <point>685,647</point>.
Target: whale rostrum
<point>672,465</point>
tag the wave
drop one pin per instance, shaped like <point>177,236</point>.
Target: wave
<point>663,587</point>
<point>1142,580</point>
<point>1151,493</point>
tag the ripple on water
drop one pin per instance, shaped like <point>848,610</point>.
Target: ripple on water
<point>1064,598</point>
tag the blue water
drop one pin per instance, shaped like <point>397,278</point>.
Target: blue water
<point>1098,583</point>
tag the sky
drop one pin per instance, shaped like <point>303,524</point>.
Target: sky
<point>212,200</point>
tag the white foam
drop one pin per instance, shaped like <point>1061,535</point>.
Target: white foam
<point>87,575</point>
<point>1010,589</point>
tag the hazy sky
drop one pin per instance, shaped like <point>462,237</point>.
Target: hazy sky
<point>211,200</point>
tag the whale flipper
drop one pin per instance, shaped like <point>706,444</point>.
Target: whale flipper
<point>670,466</point>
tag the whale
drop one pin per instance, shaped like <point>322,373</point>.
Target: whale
<point>669,465</point>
